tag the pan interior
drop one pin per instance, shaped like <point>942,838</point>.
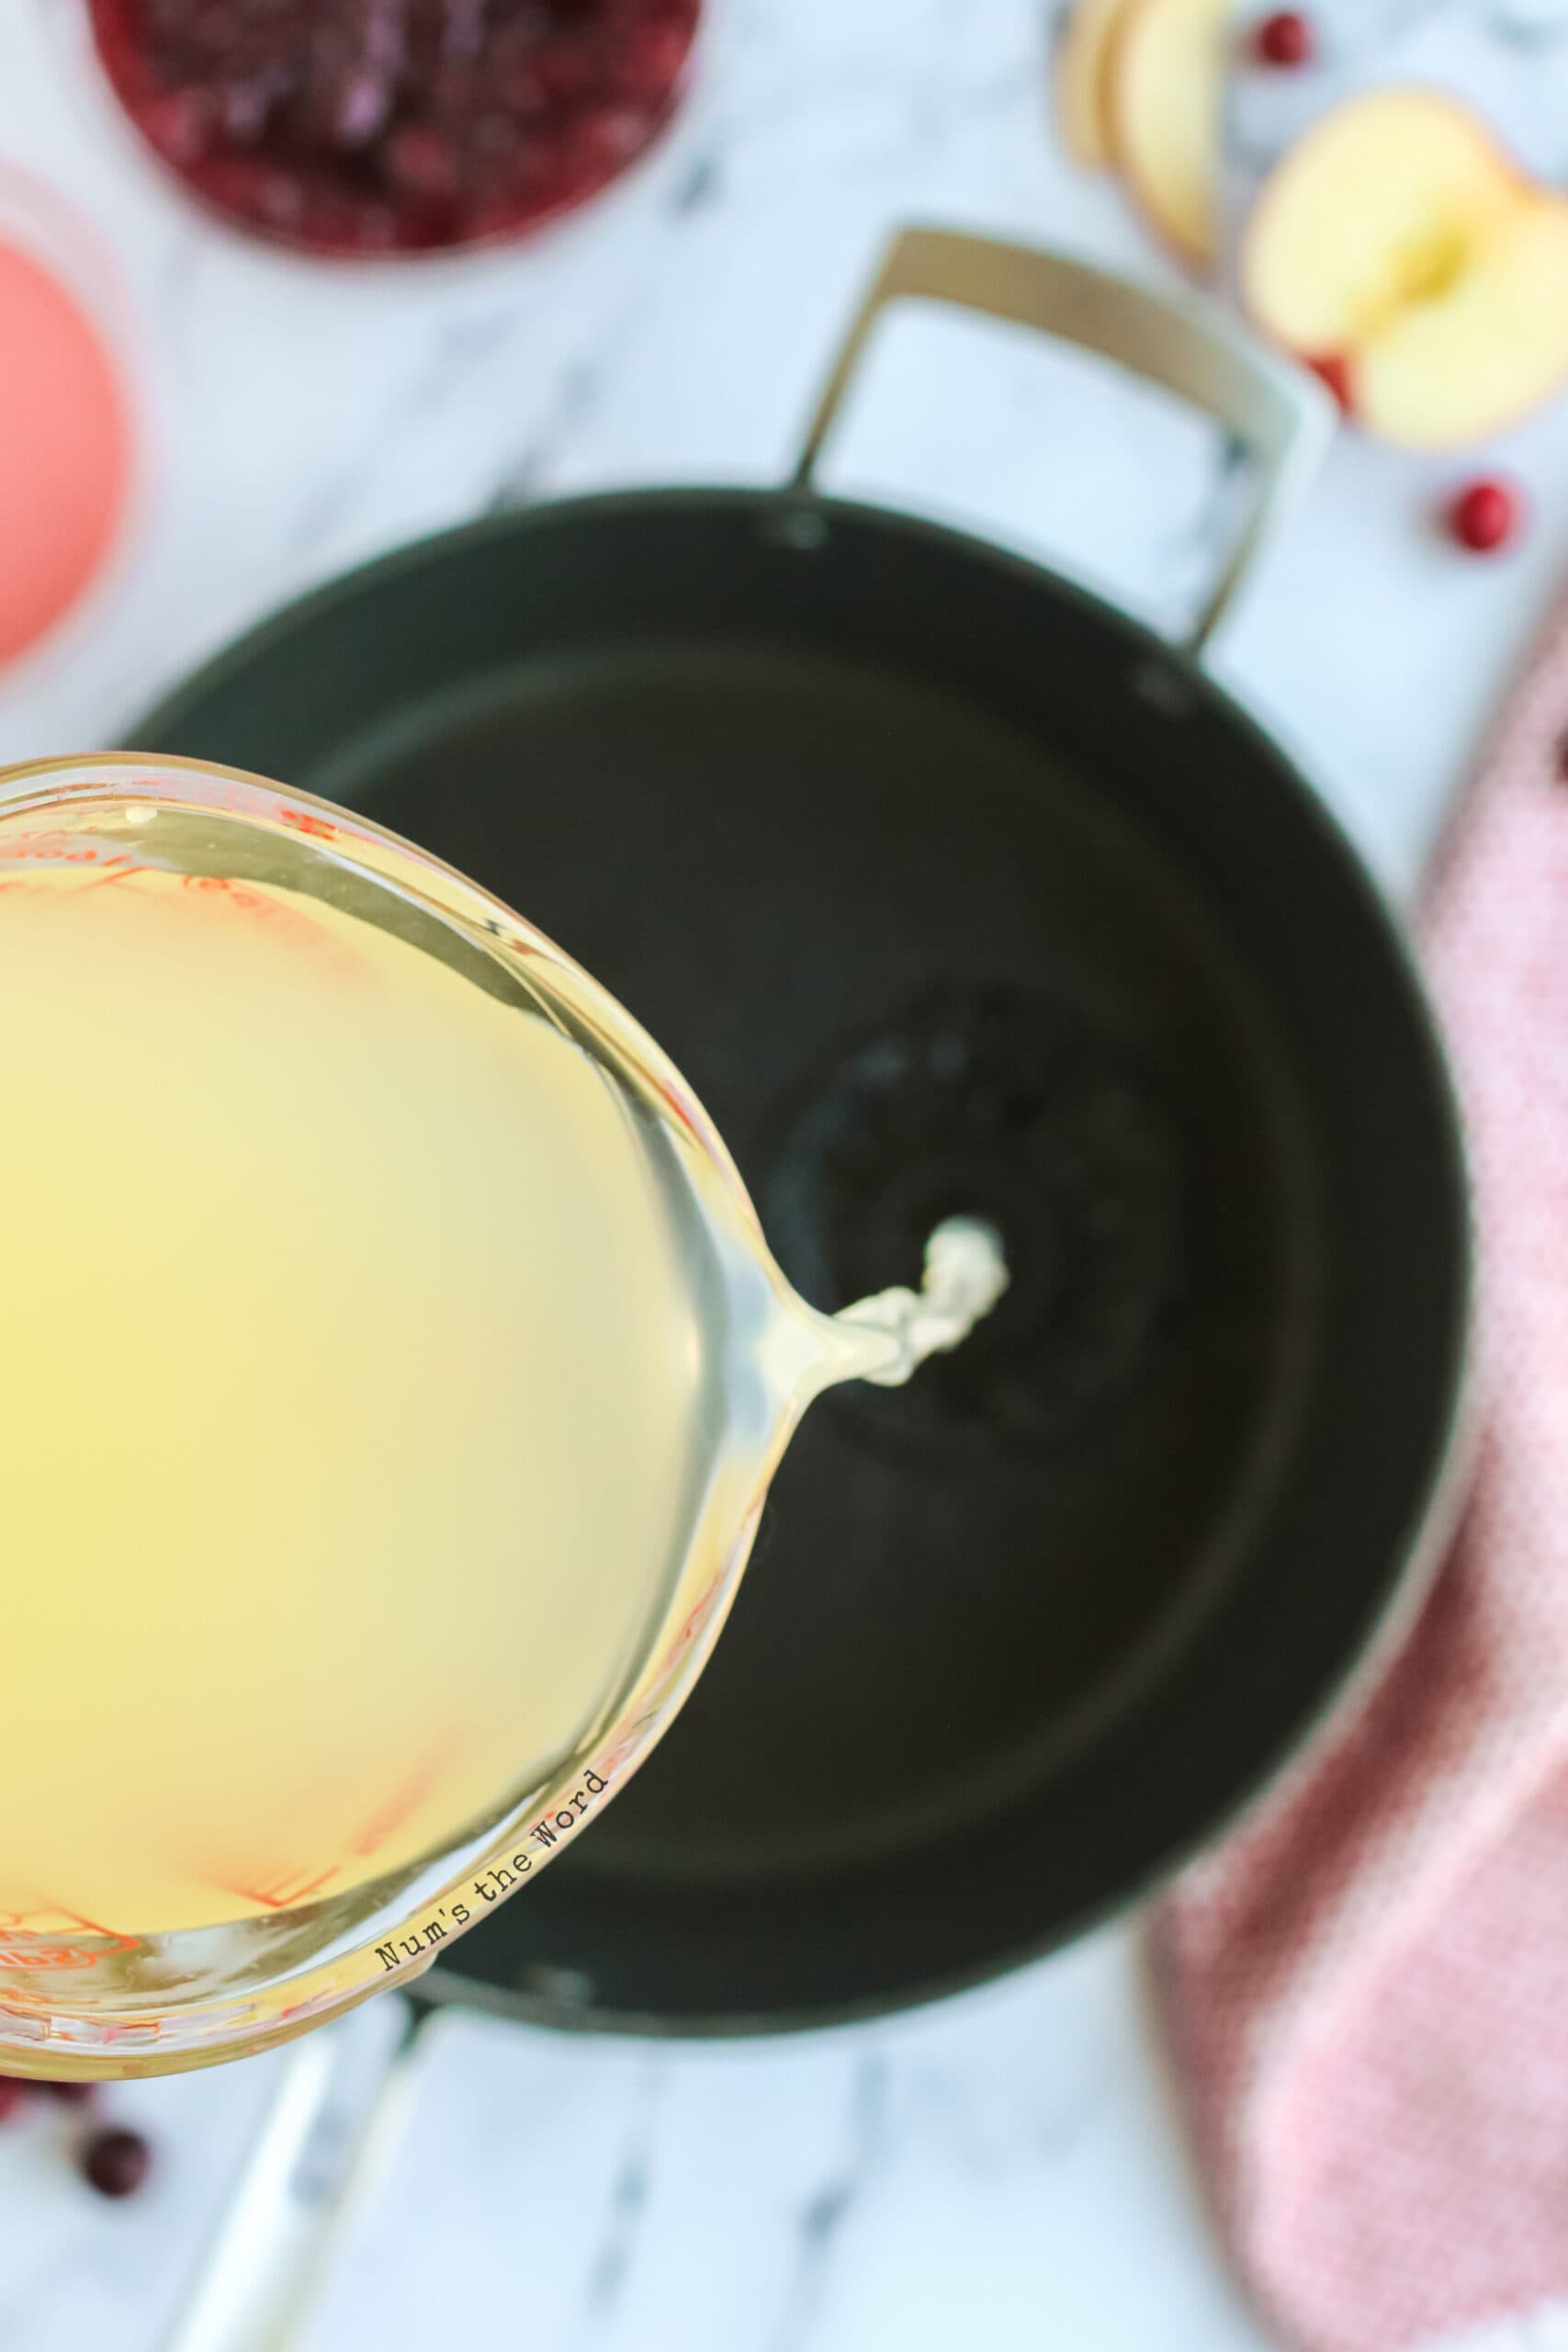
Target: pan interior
<point>910,967</point>
<point>945,888</point>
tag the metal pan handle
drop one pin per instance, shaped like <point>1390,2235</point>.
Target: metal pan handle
<point>1281,416</point>
<point>336,2119</point>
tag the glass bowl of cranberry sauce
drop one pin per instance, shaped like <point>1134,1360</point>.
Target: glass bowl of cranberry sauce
<point>364,128</point>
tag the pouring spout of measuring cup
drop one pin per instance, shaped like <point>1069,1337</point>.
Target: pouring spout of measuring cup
<point>893,1333</point>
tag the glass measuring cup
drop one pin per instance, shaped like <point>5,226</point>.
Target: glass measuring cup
<point>394,1371</point>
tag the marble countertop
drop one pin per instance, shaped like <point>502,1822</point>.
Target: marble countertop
<point>1002,2171</point>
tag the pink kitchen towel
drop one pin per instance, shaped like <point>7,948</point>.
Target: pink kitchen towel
<point>1366,1989</point>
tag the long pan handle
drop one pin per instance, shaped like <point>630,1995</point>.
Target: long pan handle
<point>336,2120</point>
<point>1281,416</point>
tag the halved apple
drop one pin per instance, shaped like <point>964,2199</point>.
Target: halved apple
<point>1397,247</point>
<point>1166,83</point>
<point>1083,79</point>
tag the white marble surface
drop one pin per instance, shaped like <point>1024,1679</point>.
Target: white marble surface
<point>1001,2172</point>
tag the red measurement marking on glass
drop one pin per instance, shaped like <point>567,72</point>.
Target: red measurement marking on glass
<point>57,1916</point>
<point>404,1800</point>
<point>55,849</point>
<point>673,1668</point>
<point>282,1892</point>
<point>97,1928</point>
<point>43,849</point>
<point>317,2002</point>
<point>114,869</point>
<point>676,1104</point>
<point>699,1615</point>
<point>304,821</point>
<point>210,885</point>
<point>285,922</point>
<point>50,1956</point>
<point>221,886</point>
<point>608,1762</point>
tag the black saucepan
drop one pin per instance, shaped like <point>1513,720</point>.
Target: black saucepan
<point>948,887</point>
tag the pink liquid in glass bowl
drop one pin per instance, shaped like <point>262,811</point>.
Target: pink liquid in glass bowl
<point>354,129</point>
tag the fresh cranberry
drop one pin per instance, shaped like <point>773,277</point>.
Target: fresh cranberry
<point>422,164</point>
<point>13,2095</point>
<point>1486,516</point>
<point>372,126</point>
<point>245,106</point>
<point>330,222</point>
<point>180,123</point>
<point>652,58</point>
<point>609,137</point>
<point>567,69</point>
<point>68,2094</point>
<point>1335,372</point>
<point>1286,39</point>
<point>117,2162</point>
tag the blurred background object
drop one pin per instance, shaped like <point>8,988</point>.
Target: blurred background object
<point>71,450</point>
<point>357,128</point>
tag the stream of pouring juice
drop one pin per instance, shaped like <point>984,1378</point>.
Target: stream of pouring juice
<point>351,1396</point>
